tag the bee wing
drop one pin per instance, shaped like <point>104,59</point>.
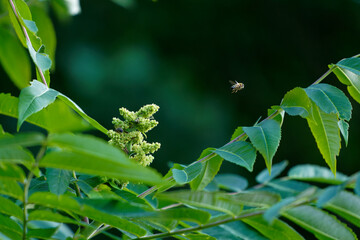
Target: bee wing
<point>232,82</point>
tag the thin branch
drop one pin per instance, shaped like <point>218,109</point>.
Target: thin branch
<point>200,227</point>
<point>27,38</point>
<point>324,75</point>
<point>26,189</point>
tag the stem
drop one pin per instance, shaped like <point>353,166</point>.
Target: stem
<point>192,229</point>
<point>91,231</point>
<point>324,75</point>
<point>27,38</point>
<point>27,186</point>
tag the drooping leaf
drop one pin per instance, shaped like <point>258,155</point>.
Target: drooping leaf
<point>344,129</point>
<point>297,103</point>
<point>14,59</point>
<point>188,173</point>
<point>320,223</point>
<point>330,100</point>
<point>48,118</point>
<point>276,231</point>
<point>77,109</point>
<point>266,138</point>
<point>231,182</point>
<point>346,205</point>
<point>215,201</point>
<point>240,153</point>
<point>327,135</point>
<point>66,203</point>
<point>58,180</point>
<point>277,169</point>
<point>10,228</point>
<point>34,98</point>
<point>327,194</point>
<point>309,172</point>
<point>208,172</point>
<point>8,207</point>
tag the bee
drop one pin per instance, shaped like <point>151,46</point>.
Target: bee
<point>236,86</point>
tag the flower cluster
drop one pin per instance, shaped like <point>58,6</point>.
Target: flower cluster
<point>129,133</point>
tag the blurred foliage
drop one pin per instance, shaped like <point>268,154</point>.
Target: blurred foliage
<point>181,54</point>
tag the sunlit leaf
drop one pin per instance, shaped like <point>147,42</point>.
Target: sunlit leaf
<point>10,171</point>
<point>22,139</point>
<point>8,207</point>
<point>296,102</point>
<point>10,228</point>
<point>266,138</point>
<point>327,135</point>
<point>11,188</point>
<point>320,223</point>
<point>240,153</point>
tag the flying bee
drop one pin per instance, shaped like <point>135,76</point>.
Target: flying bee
<point>236,86</point>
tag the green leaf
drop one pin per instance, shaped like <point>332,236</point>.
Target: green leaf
<point>357,185</point>
<point>187,174</point>
<point>351,79</point>
<point>10,228</point>
<point>22,139</point>
<point>344,129</point>
<point>90,155</point>
<point>296,102</point>
<point>347,206</point>
<point>238,131</point>
<point>46,31</point>
<point>266,138</point>
<point>45,215</point>
<point>16,154</point>
<point>14,59</point>
<point>31,25</point>
<point>77,109</point>
<point>47,118</point>
<point>314,173</point>
<point>327,194</point>
<point>58,180</point>
<point>22,10</point>
<point>327,135</point>
<point>215,201</point>
<point>256,198</point>
<point>34,98</point>
<point>280,115</point>
<point>42,233</point>
<point>240,153</point>
<point>320,223</point>
<point>278,230</point>
<point>351,64</point>
<point>208,172</point>
<point>66,203</point>
<point>40,59</point>
<point>234,230</point>
<point>231,182</point>
<point>330,100</point>
<point>11,188</point>
<point>10,171</point>
<point>185,214</point>
<point>274,211</point>
<point>8,207</point>
<point>277,169</point>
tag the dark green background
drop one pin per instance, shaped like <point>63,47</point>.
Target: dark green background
<point>180,54</point>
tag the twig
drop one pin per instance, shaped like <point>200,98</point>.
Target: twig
<point>27,39</point>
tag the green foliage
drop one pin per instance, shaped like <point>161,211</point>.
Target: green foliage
<point>62,176</point>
